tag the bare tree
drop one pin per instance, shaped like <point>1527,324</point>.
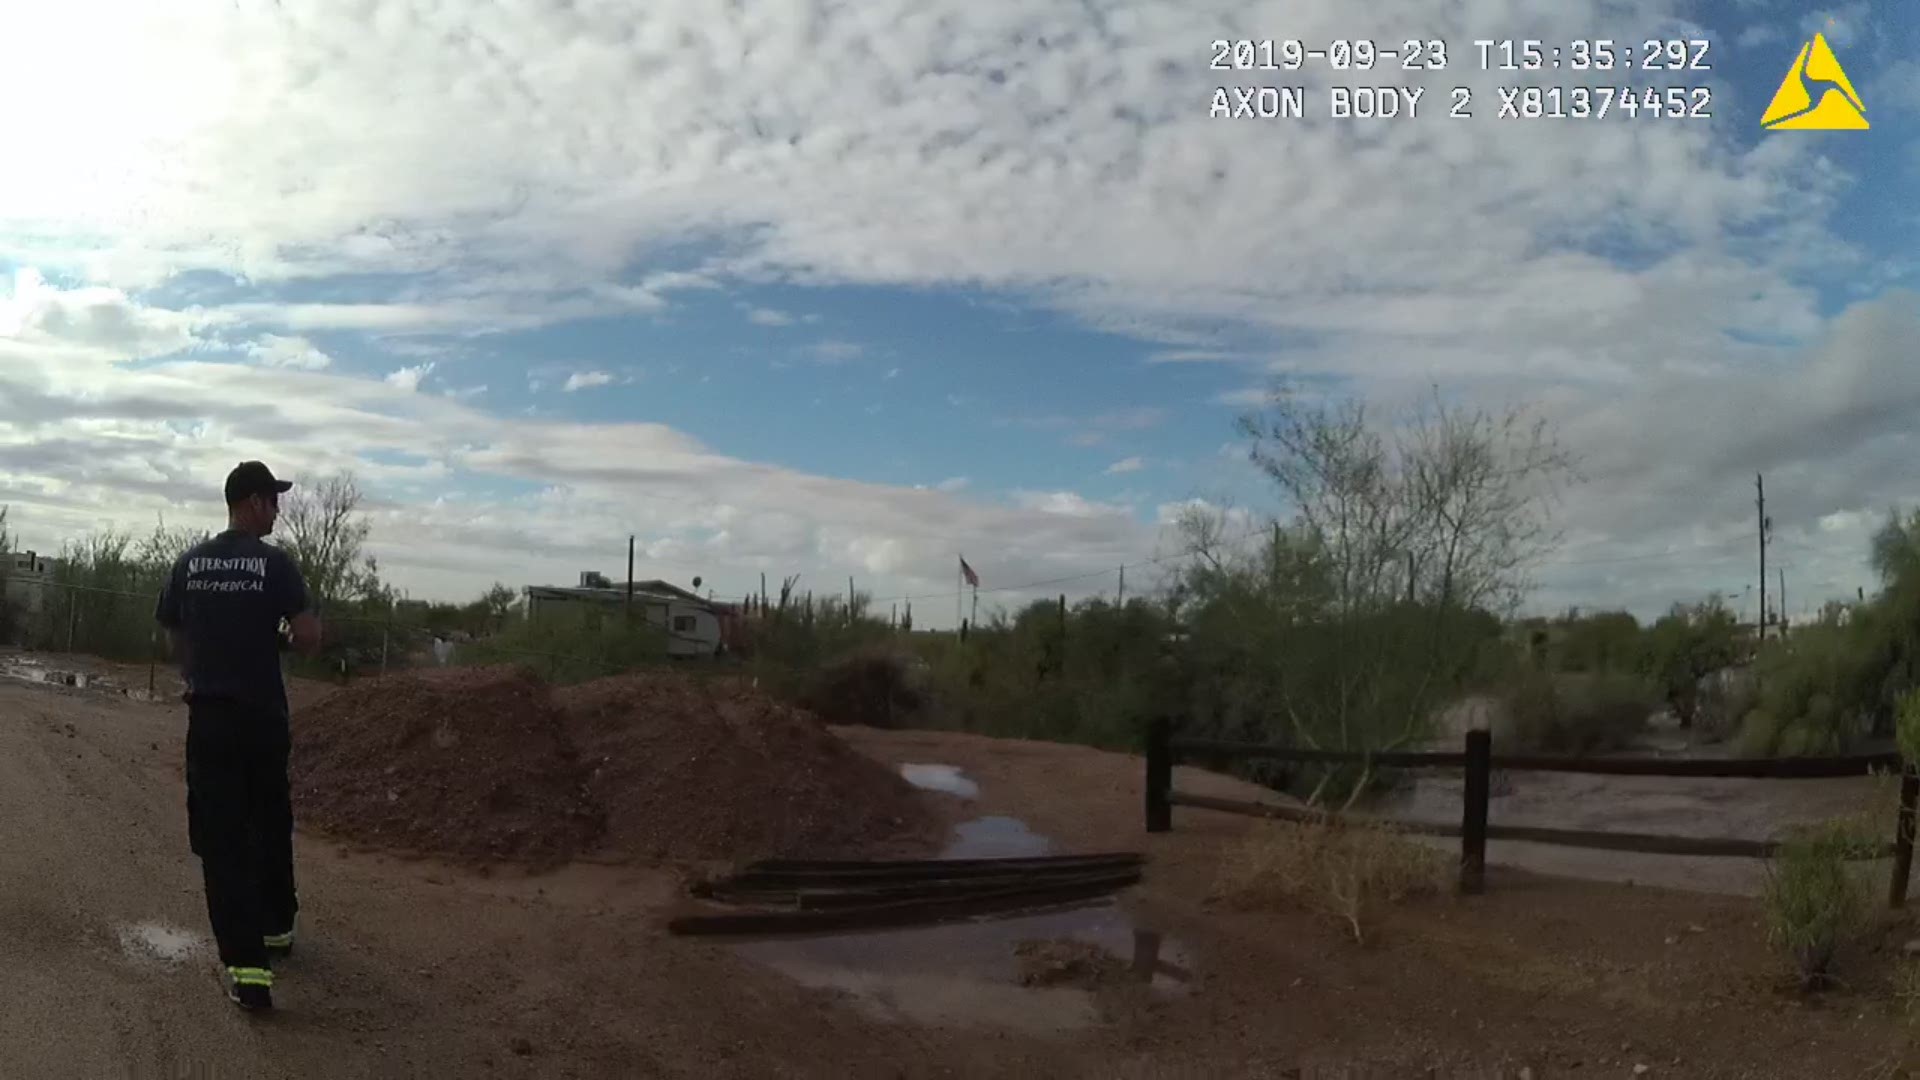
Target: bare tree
<point>322,529</point>
<point>1406,537</point>
<point>1337,473</point>
<point>499,601</point>
<point>1450,508</point>
<point>1483,486</point>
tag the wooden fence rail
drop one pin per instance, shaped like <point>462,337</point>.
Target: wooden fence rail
<point>1479,762</point>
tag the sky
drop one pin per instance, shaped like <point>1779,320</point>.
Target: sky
<point>833,289</point>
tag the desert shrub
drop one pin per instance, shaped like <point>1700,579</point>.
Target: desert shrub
<point>874,687</point>
<point>1820,689</point>
<point>1726,699</point>
<point>1347,871</point>
<point>1907,727</point>
<point>1684,646</point>
<point>1759,733</point>
<point>1815,902</point>
<point>1090,674</point>
<point>1577,714</point>
<point>568,651</point>
<point>1600,642</point>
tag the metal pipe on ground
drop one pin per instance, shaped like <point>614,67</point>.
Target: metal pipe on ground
<point>902,913</point>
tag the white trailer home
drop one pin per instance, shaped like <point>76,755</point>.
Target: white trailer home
<point>692,625</point>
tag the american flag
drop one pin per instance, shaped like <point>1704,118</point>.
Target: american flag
<point>966,571</point>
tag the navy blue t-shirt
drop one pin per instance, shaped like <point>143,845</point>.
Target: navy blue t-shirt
<point>226,596</point>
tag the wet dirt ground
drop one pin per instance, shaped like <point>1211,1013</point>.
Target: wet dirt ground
<point>410,968</point>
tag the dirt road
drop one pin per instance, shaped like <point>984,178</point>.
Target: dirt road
<point>415,969</point>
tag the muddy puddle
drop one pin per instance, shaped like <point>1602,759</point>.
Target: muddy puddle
<point>1033,972</point>
<point>945,778</point>
<point>158,943</point>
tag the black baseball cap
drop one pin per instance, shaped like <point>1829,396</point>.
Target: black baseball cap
<point>253,478</point>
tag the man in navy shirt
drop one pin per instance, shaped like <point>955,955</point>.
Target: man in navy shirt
<point>223,607</point>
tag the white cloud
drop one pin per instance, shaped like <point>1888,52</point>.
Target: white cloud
<point>409,378</point>
<point>952,484</point>
<point>281,145</point>
<point>582,380</point>
<point>1844,26</point>
<point>1896,87</point>
<point>1238,520</point>
<point>859,172</point>
<point>836,352</point>
<point>1087,431</point>
<point>1196,356</point>
<point>587,486</point>
<point>1068,504</point>
<point>100,319</point>
<point>769,317</point>
<point>1126,465</point>
<point>274,350</point>
<point>892,373</point>
<point>1245,397</point>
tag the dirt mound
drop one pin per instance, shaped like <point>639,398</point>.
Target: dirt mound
<point>715,768</point>
<point>469,762</point>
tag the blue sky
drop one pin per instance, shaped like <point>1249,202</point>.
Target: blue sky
<point>833,297</point>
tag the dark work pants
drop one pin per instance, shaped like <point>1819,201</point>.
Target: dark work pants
<point>240,823</point>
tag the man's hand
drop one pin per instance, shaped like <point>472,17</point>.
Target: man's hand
<point>303,633</point>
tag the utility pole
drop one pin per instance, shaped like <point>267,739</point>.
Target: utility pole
<point>1123,585</point>
<point>1760,504</point>
<point>1782,571</point>
<point>630,580</point>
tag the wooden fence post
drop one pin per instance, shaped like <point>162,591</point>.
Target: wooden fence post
<point>1903,835</point>
<point>386,634</point>
<point>1159,774</point>
<point>1473,824</point>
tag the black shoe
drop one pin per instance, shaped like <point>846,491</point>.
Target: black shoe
<point>250,988</point>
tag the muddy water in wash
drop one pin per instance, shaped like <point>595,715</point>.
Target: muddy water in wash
<point>31,671</point>
<point>1734,809</point>
<point>967,974</point>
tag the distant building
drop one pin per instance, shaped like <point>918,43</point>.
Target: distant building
<point>693,624</point>
<point>29,578</point>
